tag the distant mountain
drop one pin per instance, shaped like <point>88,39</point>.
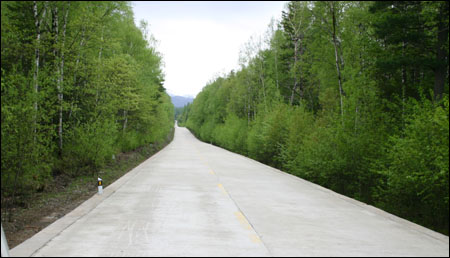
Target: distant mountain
<point>179,101</point>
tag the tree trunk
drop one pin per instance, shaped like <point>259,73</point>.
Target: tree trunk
<point>76,69</point>
<point>261,78</point>
<point>276,65</point>
<point>341,91</point>
<point>300,81</point>
<point>55,32</point>
<point>37,23</point>
<point>441,70</point>
<point>100,60</point>
<point>125,120</point>
<point>36,53</point>
<point>403,84</point>
<point>295,72</point>
<point>61,81</point>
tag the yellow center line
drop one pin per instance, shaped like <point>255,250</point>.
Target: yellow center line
<point>240,217</point>
<point>206,163</point>
<point>243,220</point>
<point>222,188</point>
<point>255,238</point>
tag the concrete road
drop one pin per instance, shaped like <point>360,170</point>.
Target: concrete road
<point>195,199</point>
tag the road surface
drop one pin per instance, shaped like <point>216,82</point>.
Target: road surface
<point>195,199</point>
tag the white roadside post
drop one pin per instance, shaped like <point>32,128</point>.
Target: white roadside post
<point>5,249</point>
<point>100,185</point>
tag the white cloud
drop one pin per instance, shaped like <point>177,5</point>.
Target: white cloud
<point>195,45</point>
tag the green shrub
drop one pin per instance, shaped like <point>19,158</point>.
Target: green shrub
<point>90,145</point>
<point>417,166</point>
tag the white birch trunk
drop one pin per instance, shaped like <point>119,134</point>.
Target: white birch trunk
<point>295,72</point>
<point>100,60</point>
<point>125,120</point>
<point>341,91</point>
<point>36,62</point>
<point>61,81</point>
<point>37,23</point>
<point>76,69</point>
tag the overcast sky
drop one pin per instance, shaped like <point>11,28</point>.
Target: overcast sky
<point>199,40</point>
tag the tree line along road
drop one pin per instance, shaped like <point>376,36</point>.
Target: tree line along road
<point>195,199</point>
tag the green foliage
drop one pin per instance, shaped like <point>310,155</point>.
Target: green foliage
<point>417,168</point>
<point>232,134</point>
<point>336,99</point>
<point>182,114</point>
<point>89,146</point>
<point>26,156</point>
<point>269,134</point>
<point>80,83</point>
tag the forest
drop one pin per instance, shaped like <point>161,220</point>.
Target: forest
<point>350,95</point>
<point>80,83</point>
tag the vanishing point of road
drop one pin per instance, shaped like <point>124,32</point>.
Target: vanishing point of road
<point>195,199</point>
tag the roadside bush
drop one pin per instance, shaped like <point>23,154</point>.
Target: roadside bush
<point>417,166</point>
<point>90,145</point>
